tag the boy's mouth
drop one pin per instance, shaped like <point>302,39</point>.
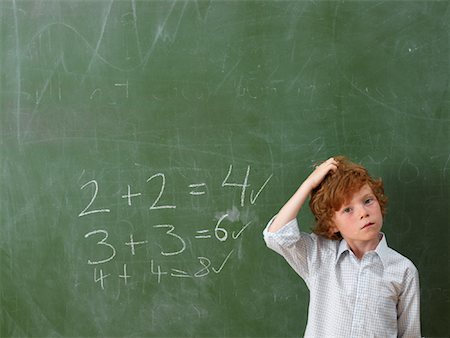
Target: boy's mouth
<point>367,225</point>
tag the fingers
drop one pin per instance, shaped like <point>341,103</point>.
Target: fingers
<point>331,161</point>
<point>321,171</point>
<point>331,164</point>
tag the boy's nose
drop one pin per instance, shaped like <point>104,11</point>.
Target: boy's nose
<point>363,213</point>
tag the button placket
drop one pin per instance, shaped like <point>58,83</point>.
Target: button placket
<point>362,296</point>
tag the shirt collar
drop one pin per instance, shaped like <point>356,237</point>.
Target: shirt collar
<point>381,250</point>
<point>343,247</point>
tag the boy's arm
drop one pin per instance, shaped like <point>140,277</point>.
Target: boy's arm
<point>290,210</point>
<point>409,308</point>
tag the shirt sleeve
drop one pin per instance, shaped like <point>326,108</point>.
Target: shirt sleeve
<point>293,245</point>
<point>408,308</point>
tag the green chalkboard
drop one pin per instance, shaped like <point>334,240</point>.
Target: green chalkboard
<point>145,145</point>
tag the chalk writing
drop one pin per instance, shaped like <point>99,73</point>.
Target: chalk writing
<point>100,278</point>
<point>132,244</point>
<point>196,191</point>
<point>125,275</point>
<point>171,239</point>
<point>206,263</point>
<point>220,233</point>
<point>171,233</point>
<point>204,268</point>
<point>154,206</point>
<point>158,271</point>
<point>201,234</point>
<point>244,185</point>
<point>94,196</point>
<point>129,195</point>
<point>102,243</point>
<point>125,85</point>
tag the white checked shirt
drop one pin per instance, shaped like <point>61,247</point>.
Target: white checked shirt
<point>377,296</point>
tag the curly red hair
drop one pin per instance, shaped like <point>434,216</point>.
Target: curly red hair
<point>336,189</point>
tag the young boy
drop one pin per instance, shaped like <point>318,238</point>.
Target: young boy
<point>359,287</point>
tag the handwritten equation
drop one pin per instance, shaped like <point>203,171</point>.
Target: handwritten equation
<point>218,230</point>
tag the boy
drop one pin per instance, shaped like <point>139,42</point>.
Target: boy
<point>359,287</point>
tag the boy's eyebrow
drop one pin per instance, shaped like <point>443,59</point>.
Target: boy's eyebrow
<point>368,195</point>
<point>347,202</point>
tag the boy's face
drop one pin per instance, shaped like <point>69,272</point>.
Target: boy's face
<point>359,220</point>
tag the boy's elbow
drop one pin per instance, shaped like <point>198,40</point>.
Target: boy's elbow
<point>274,225</point>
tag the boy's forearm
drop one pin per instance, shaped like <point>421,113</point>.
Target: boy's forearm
<point>292,207</point>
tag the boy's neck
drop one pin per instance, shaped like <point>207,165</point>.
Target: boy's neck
<point>360,248</point>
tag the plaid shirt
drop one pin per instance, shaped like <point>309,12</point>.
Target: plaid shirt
<point>377,296</point>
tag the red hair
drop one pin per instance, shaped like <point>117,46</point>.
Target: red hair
<point>336,189</point>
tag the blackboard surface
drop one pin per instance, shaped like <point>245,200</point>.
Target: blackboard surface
<point>145,144</point>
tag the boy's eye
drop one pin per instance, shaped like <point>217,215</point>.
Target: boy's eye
<point>347,210</point>
<point>368,201</point>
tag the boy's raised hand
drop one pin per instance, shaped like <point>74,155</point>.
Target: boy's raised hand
<point>294,204</point>
<point>320,172</point>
